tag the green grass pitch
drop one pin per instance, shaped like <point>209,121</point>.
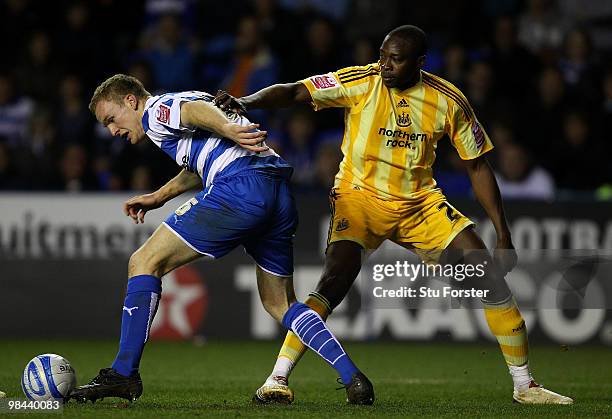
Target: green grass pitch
<point>411,380</point>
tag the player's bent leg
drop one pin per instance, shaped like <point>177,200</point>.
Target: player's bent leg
<point>312,331</point>
<point>342,265</point>
<point>276,387</point>
<point>275,292</point>
<point>505,322</point>
<point>277,295</point>
<point>160,254</point>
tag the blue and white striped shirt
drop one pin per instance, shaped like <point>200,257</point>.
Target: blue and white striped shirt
<point>197,150</point>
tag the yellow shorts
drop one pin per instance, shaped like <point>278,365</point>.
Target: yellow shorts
<point>424,224</point>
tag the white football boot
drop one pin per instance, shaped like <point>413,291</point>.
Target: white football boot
<point>274,390</point>
<point>536,394</point>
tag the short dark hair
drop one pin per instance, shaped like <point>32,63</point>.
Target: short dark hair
<point>412,34</point>
<point>115,88</point>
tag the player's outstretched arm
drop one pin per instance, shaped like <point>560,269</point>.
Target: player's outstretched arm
<point>207,116</point>
<point>487,192</point>
<point>275,96</point>
<point>137,207</point>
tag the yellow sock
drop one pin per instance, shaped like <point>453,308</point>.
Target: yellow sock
<point>508,326</point>
<point>293,349</point>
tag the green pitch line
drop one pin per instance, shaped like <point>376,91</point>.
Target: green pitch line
<point>411,380</point>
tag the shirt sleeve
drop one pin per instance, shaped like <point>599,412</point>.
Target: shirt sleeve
<point>344,88</point>
<point>465,132</point>
<point>165,115</point>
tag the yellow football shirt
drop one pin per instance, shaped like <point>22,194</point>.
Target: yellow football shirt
<point>390,136</point>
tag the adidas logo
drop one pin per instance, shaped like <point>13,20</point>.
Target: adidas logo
<point>402,103</point>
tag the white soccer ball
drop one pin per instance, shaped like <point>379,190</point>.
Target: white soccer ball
<point>48,377</point>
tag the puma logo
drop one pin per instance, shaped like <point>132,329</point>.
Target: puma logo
<point>129,310</point>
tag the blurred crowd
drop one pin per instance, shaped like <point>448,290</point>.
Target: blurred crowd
<point>537,72</point>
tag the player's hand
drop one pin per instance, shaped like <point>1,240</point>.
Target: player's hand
<point>227,102</point>
<point>247,137</point>
<point>137,207</point>
<point>505,255</point>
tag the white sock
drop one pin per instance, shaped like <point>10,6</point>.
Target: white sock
<point>520,376</point>
<point>282,368</point>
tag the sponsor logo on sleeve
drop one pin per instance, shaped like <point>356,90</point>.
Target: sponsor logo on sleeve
<point>324,82</point>
<point>479,136</point>
<point>163,114</point>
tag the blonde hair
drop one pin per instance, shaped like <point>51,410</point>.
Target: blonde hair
<point>115,88</point>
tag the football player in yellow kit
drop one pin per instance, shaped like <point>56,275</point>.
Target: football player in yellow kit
<point>395,113</point>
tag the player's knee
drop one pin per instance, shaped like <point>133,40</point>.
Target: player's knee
<point>143,262</point>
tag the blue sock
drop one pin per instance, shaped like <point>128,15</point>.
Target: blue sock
<point>313,332</point>
<point>139,307</point>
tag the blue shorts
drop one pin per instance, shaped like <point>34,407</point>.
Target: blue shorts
<point>255,209</point>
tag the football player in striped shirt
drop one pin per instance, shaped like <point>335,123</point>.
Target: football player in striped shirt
<point>245,200</point>
<point>395,113</point>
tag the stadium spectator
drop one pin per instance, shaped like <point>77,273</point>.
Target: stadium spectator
<point>512,64</point>
<point>541,29</point>
<point>142,71</point>
<point>370,18</point>
<point>105,178</point>
<point>38,71</point>
<point>364,52</point>
<point>18,19</point>
<point>455,65</point>
<point>479,90</point>
<point>124,40</point>
<point>170,56</point>
<point>578,160</point>
<point>254,66</point>
<point>548,107</point>
<point>141,180</point>
<point>73,170</point>
<point>298,146</point>
<point>579,68</point>
<point>79,44</point>
<point>519,178</point>
<point>73,120</point>
<point>277,25</point>
<point>321,52</point>
<point>41,132</point>
<point>15,112</point>
<point>594,14</point>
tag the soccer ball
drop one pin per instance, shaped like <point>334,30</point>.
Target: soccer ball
<point>48,377</point>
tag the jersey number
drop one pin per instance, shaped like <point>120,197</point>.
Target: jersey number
<point>186,206</point>
<point>450,211</point>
